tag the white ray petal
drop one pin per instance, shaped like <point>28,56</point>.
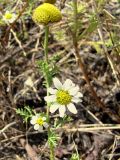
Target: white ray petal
<point>78,95</point>
<point>57,83</point>
<point>73,91</point>
<point>67,85</point>
<point>40,129</point>
<point>54,107</point>
<point>51,98</point>
<point>33,120</point>
<point>45,125</point>
<point>52,91</point>
<point>62,110</point>
<point>36,126</point>
<point>34,117</point>
<point>76,100</point>
<point>72,108</point>
<point>43,118</point>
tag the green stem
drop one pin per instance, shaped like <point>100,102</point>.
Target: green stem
<point>48,84</point>
<point>46,43</point>
<point>75,12</point>
<point>47,63</point>
<point>52,153</point>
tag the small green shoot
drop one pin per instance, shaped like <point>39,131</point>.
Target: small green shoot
<point>25,113</point>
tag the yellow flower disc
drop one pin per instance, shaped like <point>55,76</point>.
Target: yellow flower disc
<point>50,1</point>
<point>40,16</point>
<point>8,16</point>
<point>46,13</point>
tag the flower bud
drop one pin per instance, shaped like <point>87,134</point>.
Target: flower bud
<point>46,13</point>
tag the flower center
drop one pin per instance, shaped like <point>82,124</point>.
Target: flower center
<point>8,15</point>
<point>40,121</point>
<point>63,97</point>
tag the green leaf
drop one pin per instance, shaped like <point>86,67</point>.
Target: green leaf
<point>52,139</point>
<point>26,113</point>
<point>92,27</point>
<point>75,156</point>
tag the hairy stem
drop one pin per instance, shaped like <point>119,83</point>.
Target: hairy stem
<point>46,60</point>
<point>46,43</point>
<point>48,84</point>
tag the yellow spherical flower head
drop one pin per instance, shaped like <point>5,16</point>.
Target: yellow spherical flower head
<point>46,13</point>
<point>50,1</point>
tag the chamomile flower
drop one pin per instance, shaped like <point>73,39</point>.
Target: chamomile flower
<point>9,17</point>
<point>39,122</point>
<point>63,97</point>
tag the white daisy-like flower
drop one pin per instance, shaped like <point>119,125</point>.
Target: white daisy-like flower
<point>63,97</point>
<point>39,122</point>
<point>9,17</point>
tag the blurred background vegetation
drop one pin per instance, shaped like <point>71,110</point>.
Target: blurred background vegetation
<point>21,46</point>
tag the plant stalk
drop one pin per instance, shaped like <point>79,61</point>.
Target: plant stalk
<point>81,65</point>
<point>48,84</point>
<point>78,57</point>
<point>46,43</point>
<point>105,51</point>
